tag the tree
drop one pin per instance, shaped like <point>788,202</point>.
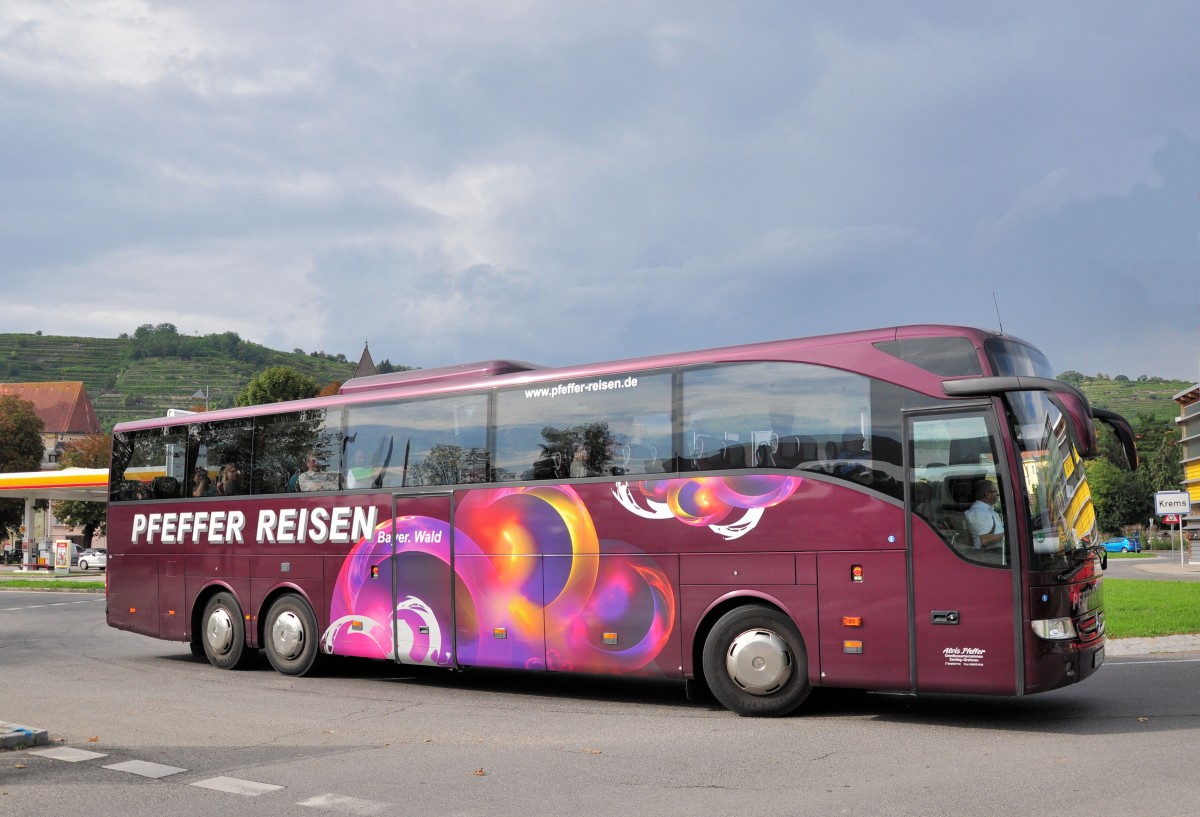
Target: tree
<point>93,451</point>
<point>1116,496</point>
<point>1121,497</point>
<point>276,385</point>
<point>1159,468</point>
<point>21,449</point>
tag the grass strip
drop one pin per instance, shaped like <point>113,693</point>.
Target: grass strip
<point>51,584</point>
<point>1136,608</point>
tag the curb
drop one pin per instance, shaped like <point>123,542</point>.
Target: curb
<point>1156,646</point>
<point>16,736</point>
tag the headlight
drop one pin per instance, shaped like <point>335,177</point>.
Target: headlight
<point>1055,629</point>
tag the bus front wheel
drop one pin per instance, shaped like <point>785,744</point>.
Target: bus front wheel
<point>224,635</point>
<point>755,662</point>
<point>291,637</point>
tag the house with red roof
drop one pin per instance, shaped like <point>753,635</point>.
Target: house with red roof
<point>65,410</point>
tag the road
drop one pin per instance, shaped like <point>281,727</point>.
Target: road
<point>374,738</point>
<point>1156,567</point>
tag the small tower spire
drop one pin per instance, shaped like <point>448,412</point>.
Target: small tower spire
<point>366,366</point>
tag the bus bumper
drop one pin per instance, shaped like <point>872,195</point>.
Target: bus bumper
<point>1061,663</point>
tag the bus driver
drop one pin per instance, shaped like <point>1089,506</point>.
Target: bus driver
<point>986,526</point>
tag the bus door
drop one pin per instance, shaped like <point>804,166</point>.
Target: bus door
<point>965,613</point>
<point>422,591</point>
<point>459,602</point>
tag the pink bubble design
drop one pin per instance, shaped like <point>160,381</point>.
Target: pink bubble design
<point>731,506</point>
<point>533,586</point>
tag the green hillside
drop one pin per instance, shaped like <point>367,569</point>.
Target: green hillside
<point>1131,396</point>
<point>139,376</point>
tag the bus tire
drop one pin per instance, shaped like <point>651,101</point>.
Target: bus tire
<point>755,662</point>
<point>290,636</point>
<point>224,633</point>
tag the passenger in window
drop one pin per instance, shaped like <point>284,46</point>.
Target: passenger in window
<point>986,526</point>
<point>314,477</point>
<point>579,466</point>
<point>229,481</point>
<point>202,483</point>
<point>851,457</point>
<point>361,473</point>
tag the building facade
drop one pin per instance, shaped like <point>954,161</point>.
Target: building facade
<point>1189,433</point>
<point>65,410</point>
<point>67,414</point>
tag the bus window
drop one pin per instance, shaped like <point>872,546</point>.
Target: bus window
<point>956,487</point>
<point>224,451</point>
<point>945,356</point>
<point>614,426</point>
<point>148,464</point>
<point>432,441</point>
<point>778,415</point>
<point>1058,497</point>
<point>298,450</point>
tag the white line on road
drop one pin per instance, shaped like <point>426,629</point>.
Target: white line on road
<point>233,785</point>
<point>344,805</point>
<point>144,768</point>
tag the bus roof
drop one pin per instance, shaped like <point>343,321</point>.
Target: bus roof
<point>441,374</point>
<point>852,351</point>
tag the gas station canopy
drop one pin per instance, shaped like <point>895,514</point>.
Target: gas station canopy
<point>83,484</point>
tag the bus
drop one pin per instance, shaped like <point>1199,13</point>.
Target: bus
<point>901,509</point>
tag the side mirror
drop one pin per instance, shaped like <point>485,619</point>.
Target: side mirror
<point>1124,432</point>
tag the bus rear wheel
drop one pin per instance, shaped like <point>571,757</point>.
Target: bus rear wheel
<point>224,633</point>
<point>290,636</point>
<point>755,662</point>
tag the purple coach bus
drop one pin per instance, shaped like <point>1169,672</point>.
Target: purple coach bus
<point>900,509</point>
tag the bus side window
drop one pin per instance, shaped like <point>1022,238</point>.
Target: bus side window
<point>611,428</point>
<point>945,495</point>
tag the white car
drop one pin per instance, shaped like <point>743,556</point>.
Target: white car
<point>93,558</point>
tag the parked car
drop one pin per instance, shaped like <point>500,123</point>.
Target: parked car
<point>1123,544</point>
<point>93,558</point>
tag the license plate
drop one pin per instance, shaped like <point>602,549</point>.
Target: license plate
<point>1098,658</point>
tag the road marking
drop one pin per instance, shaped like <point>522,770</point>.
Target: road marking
<point>145,768</point>
<point>344,805</point>
<point>50,604</point>
<point>233,785</point>
<point>338,803</point>
<point>68,754</point>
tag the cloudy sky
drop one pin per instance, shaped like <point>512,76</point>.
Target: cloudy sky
<point>565,181</point>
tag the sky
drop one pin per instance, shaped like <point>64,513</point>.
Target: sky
<point>562,181</point>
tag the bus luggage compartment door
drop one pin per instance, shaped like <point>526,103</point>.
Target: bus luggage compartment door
<point>864,620</point>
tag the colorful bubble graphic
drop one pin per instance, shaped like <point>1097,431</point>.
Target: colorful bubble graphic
<point>730,506</point>
<point>533,586</point>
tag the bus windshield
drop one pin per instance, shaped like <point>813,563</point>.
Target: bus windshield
<point>1062,517</point>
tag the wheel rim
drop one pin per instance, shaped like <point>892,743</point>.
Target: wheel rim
<point>219,632</point>
<point>759,662</point>
<point>287,635</point>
